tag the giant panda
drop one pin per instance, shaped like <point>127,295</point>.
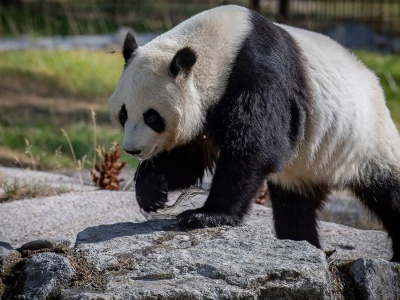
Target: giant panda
<point>230,92</point>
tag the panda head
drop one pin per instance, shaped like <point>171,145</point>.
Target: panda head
<point>156,101</point>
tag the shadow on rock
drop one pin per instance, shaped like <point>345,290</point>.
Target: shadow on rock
<point>107,232</point>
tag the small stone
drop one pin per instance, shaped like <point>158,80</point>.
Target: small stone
<point>46,274</point>
<point>37,245</point>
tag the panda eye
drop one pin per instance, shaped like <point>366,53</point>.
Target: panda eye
<point>123,115</point>
<point>153,119</point>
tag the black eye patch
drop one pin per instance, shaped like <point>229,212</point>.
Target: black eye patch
<point>123,115</point>
<point>153,119</point>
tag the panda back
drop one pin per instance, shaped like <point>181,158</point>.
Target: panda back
<point>348,124</point>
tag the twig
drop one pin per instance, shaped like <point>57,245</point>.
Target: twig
<point>77,167</point>
<point>392,83</point>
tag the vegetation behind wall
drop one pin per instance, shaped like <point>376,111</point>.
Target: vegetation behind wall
<point>73,17</point>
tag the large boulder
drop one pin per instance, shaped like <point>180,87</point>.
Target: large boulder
<point>155,260</point>
<point>120,255</point>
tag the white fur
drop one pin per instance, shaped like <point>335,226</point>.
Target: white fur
<point>216,36</point>
<point>348,125</point>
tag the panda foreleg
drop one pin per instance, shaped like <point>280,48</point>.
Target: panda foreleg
<point>177,169</point>
<point>151,186</point>
<point>295,213</point>
<point>380,192</point>
<point>235,183</point>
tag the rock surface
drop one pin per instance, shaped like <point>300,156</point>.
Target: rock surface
<point>45,274</point>
<point>62,217</point>
<point>155,260</point>
<point>375,279</point>
<point>120,255</point>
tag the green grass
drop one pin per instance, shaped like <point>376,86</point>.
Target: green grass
<point>83,73</point>
<point>386,64</point>
<point>49,146</point>
<point>72,17</point>
<point>42,92</point>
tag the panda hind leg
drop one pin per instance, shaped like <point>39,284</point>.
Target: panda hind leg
<point>380,193</point>
<point>295,213</point>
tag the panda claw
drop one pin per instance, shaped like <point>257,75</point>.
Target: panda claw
<point>196,218</point>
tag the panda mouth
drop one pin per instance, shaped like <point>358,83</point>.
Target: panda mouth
<point>153,151</point>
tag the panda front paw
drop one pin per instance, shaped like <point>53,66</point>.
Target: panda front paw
<point>196,218</point>
<point>151,188</point>
<point>152,202</point>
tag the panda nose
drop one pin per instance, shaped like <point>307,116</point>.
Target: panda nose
<point>133,152</point>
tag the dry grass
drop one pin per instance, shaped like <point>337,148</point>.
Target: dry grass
<point>16,190</point>
<point>86,275</point>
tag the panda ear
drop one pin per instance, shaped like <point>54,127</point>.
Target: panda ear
<point>129,46</point>
<point>183,60</point>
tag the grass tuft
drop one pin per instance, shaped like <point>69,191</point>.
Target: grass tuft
<point>16,190</point>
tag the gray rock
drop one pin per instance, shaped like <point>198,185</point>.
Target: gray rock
<point>31,177</point>
<point>45,274</point>
<point>375,279</point>
<point>118,259</point>
<point>5,249</point>
<point>37,245</point>
<point>349,243</point>
<point>63,216</point>
<point>46,244</point>
<point>8,258</point>
<point>154,260</point>
<point>344,208</point>
<point>353,243</point>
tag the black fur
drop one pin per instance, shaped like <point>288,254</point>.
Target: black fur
<point>151,186</point>
<point>123,115</point>
<point>153,119</point>
<point>266,97</point>
<point>295,214</point>
<point>129,47</point>
<point>380,192</point>
<point>183,61</point>
<point>178,169</point>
